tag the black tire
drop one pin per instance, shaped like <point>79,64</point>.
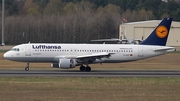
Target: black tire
<point>27,69</point>
<point>88,69</point>
<point>82,68</point>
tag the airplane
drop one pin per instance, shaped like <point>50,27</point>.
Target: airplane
<point>68,56</point>
<point>119,41</point>
<point>125,40</point>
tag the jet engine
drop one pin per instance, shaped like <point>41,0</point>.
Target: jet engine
<point>65,63</point>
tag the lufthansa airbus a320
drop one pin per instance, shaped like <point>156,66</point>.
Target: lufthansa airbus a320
<point>67,56</point>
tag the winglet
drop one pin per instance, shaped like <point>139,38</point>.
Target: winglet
<point>160,34</point>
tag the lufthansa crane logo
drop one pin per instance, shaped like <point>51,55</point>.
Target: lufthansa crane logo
<point>161,31</point>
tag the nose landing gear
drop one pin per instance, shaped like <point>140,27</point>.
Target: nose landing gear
<point>27,66</point>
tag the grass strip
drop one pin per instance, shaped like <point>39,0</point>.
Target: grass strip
<point>89,89</point>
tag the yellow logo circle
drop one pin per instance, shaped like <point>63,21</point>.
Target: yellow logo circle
<point>161,31</point>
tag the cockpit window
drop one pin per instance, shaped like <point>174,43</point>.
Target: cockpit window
<point>15,49</point>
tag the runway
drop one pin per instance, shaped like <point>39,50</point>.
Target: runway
<point>94,73</point>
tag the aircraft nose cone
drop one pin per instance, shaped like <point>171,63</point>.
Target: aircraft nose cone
<point>6,55</point>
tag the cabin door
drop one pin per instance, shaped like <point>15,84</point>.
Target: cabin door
<point>28,50</point>
<point>140,51</point>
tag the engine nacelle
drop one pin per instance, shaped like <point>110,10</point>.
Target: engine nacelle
<point>65,63</point>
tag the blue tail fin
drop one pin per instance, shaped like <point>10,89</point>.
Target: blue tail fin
<point>160,34</point>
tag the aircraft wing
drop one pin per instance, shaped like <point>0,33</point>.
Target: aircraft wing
<point>123,41</point>
<point>106,40</point>
<point>95,55</point>
<point>93,58</point>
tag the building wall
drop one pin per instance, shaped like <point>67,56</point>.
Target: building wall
<point>141,30</point>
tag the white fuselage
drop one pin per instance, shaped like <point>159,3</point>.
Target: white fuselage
<point>38,52</point>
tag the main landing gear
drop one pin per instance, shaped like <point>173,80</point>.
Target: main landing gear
<point>27,67</point>
<point>87,68</point>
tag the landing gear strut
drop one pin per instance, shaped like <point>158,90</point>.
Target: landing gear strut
<point>27,67</point>
<point>87,68</point>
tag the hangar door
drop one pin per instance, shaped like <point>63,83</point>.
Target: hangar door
<point>142,32</point>
<point>174,37</point>
<point>138,32</point>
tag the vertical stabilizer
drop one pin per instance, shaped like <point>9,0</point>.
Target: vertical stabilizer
<point>160,33</point>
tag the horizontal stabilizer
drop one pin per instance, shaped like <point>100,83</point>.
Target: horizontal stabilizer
<point>165,49</point>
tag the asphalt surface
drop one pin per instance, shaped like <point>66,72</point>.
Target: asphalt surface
<point>93,73</point>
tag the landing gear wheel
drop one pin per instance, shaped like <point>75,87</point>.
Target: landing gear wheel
<point>27,69</point>
<point>82,68</point>
<point>88,69</point>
